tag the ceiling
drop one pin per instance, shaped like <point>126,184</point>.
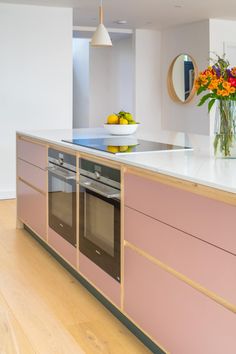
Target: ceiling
<point>155,14</point>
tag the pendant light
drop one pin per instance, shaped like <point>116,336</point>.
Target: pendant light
<point>101,36</point>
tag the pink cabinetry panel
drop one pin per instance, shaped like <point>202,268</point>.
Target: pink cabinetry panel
<point>177,316</point>
<point>32,174</point>
<point>208,219</point>
<point>109,286</point>
<point>33,153</point>
<point>31,208</point>
<point>64,248</point>
<point>208,265</point>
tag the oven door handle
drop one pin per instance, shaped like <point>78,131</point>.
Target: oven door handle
<point>112,195</point>
<point>66,175</point>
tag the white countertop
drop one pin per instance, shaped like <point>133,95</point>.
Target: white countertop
<point>191,165</point>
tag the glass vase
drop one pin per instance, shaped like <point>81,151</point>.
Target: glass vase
<point>225,129</point>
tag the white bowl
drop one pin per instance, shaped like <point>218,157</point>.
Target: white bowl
<point>121,129</point>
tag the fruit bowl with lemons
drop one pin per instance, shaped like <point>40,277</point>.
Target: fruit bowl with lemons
<point>121,123</point>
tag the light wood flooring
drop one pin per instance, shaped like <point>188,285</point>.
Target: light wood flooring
<point>43,309</point>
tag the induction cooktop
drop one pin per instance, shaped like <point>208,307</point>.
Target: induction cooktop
<point>122,145</point>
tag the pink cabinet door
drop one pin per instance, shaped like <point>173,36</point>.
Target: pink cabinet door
<point>64,248</point>
<point>109,287</point>
<point>198,260</point>
<point>34,153</point>
<point>32,175</point>
<point>208,219</point>
<point>31,208</point>
<point>176,316</point>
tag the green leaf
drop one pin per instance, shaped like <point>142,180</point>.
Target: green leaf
<point>200,90</point>
<point>204,99</point>
<point>210,104</point>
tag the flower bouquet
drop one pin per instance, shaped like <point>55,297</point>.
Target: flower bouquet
<point>219,80</point>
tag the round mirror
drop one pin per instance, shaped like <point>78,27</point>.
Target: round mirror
<point>181,77</point>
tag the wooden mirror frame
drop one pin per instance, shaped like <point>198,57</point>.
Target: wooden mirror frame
<point>170,86</point>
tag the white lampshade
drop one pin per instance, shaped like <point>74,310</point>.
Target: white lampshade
<point>101,36</point>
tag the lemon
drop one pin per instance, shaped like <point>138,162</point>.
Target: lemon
<point>123,121</point>
<point>113,149</point>
<point>112,119</point>
<point>123,148</point>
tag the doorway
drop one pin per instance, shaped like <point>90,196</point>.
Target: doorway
<point>103,79</point>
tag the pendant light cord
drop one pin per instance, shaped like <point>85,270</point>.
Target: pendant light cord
<point>100,13</point>
<point>101,36</point>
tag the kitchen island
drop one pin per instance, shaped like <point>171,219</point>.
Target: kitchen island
<point>178,245</point>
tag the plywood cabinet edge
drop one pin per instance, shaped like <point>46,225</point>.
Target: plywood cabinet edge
<point>31,140</point>
<point>122,237</point>
<point>196,188</point>
<point>102,160</point>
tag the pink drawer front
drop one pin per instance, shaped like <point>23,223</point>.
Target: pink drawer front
<point>208,219</point>
<point>31,208</point>
<point>33,153</point>
<point>207,265</point>
<point>109,286</point>
<point>64,248</point>
<point>32,174</point>
<point>178,317</point>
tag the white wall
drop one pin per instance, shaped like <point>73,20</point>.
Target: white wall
<point>148,82</point>
<point>192,39</point>
<point>122,75</point>
<point>100,87</point>
<point>81,97</point>
<point>36,77</point>
<point>222,32</point>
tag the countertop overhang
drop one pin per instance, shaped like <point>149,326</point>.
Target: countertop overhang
<point>196,166</point>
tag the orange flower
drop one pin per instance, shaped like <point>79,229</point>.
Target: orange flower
<point>232,90</point>
<point>197,85</point>
<point>226,85</point>
<point>213,85</point>
<point>233,71</point>
<point>225,93</point>
<point>202,77</point>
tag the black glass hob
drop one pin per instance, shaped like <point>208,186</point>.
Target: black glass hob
<point>121,145</point>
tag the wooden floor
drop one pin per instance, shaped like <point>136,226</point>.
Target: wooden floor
<point>43,309</point>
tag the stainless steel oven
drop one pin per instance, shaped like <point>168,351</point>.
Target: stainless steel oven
<point>62,194</point>
<point>99,209</point>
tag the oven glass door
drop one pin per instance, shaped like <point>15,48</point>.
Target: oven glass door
<point>100,230</point>
<point>62,204</point>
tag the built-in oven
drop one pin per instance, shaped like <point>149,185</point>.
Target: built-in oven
<point>62,194</point>
<point>99,210</point>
